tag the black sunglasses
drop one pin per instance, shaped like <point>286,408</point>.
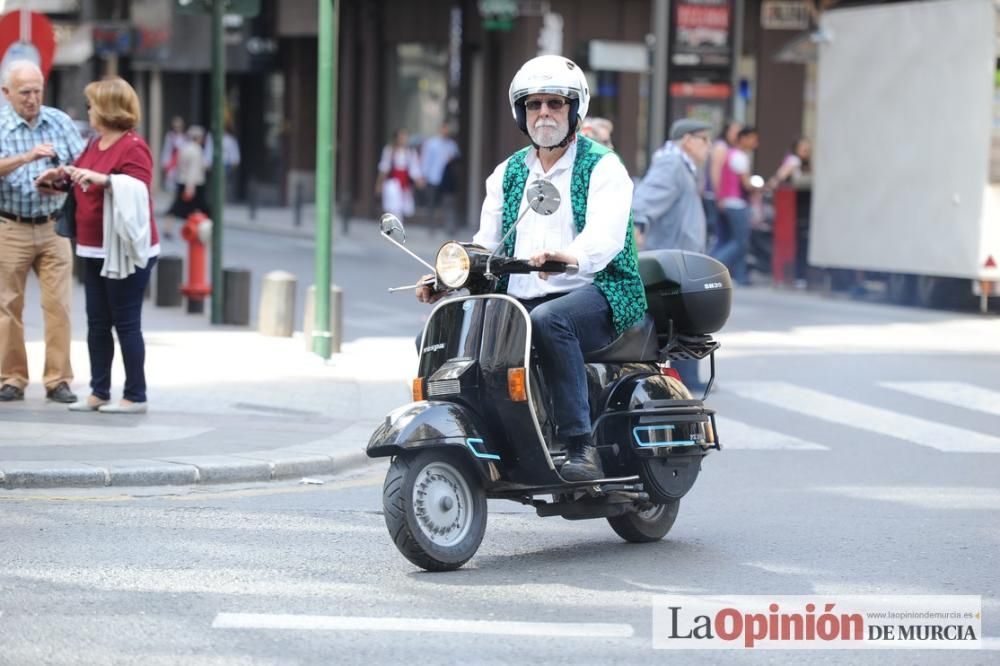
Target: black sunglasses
<point>553,104</point>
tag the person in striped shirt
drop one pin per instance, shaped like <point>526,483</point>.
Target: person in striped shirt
<point>33,138</point>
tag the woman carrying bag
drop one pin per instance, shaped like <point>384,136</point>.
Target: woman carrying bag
<point>116,238</point>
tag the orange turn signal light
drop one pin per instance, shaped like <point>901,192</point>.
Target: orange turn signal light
<point>418,389</point>
<point>517,386</point>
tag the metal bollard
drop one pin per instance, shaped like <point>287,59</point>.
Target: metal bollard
<point>169,271</point>
<point>276,315</point>
<point>236,295</point>
<point>336,317</point>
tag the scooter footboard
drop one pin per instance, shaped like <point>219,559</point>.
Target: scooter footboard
<point>430,423</point>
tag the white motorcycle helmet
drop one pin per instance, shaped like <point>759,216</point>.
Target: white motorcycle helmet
<point>555,75</point>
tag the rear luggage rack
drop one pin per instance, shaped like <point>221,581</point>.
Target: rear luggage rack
<point>689,347</point>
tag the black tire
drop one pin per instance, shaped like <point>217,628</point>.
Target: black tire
<point>439,472</point>
<point>646,526</point>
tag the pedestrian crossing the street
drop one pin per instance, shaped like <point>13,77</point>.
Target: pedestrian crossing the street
<point>922,430</point>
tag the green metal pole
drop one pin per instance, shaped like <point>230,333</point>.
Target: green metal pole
<point>326,123</point>
<point>218,182</point>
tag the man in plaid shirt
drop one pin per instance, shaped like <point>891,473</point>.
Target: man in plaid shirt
<point>33,138</point>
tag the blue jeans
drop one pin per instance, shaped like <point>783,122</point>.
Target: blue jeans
<point>711,208</point>
<point>732,251</point>
<point>565,328</point>
<point>116,303</point>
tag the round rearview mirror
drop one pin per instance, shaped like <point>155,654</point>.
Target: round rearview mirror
<point>390,224</point>
<point>543,197</point>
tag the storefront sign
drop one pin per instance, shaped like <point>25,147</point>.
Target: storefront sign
<point>702,33</point>
<point>784,15</point>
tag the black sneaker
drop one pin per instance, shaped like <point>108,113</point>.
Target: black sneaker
<point>9,393</point>
<point>583,463</point>
<point>61,393</point>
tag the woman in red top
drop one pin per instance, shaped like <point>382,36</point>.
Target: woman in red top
<point>113,107</point>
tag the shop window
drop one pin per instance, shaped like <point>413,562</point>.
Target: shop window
<point>417,89</point>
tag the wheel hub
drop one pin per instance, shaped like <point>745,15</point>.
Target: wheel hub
<point>652,513</point>
<point>442,503</point>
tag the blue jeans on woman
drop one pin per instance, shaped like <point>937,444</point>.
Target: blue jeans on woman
<point>732,251</point>
<point>116,303</point>
<point>565,328</point>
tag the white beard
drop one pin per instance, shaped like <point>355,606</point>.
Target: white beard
<point>548,132</point>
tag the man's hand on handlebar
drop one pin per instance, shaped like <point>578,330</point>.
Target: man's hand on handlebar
<point>551,255</point>
<point>426,293</point>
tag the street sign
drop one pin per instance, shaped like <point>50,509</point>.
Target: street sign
<point>29,36</point>
<point>784,15</point>
<point>248,8</point>
<point>498,14</point>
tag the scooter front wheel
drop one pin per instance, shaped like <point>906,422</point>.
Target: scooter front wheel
<point>648,525</point>
<point>435,508</point>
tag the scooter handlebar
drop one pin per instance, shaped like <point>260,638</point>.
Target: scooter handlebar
<point>510,266</point>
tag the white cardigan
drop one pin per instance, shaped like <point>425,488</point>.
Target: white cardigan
<point>126,227</point>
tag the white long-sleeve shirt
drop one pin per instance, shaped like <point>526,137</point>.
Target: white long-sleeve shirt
<point>608,205</point>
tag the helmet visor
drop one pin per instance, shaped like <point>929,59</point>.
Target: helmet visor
<point>521,93</point>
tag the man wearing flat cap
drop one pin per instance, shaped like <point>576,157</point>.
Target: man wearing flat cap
<point>666,203</point>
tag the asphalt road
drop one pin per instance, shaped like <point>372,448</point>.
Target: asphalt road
<point>862,453</point>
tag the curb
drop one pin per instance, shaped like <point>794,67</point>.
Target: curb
<point>200,470</point>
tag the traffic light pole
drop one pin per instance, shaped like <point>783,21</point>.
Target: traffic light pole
<point>218,182</point>
<point>326,124</point>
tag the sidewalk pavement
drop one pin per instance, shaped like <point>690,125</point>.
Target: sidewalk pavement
<point>226,404</point>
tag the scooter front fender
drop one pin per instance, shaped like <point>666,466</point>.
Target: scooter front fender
<point>432,423</point>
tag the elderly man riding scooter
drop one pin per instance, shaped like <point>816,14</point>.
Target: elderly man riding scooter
<point>583,310</point>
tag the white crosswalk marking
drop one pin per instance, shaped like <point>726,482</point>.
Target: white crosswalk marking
<point>421,625</point>
<point>739,435</point>
<point>866,417</point>
<point>952,393</point>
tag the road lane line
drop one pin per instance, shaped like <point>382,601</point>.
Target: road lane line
<point>858,415</point>
<point>952,393</point>
<point>400,624</point>
<point>737,435</point>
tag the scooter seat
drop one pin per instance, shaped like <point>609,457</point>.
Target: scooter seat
<point>636,344</point>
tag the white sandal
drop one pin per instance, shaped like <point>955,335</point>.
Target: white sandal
<point>85,406</point>
<point>130,408</point>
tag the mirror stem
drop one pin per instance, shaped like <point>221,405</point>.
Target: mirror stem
<point>406,250</point>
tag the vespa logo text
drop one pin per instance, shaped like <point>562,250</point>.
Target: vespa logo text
<point>713,285</point>
<point>433,348</point>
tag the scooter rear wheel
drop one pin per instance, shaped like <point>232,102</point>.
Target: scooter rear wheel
<point>646,526</point>
<point>435,508</point>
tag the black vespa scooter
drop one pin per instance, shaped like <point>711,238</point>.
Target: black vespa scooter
<point>480,425</point>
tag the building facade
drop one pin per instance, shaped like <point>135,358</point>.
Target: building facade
<point>416,63</point>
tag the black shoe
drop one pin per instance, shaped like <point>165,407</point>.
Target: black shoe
<point>61,393</point>
<point>582,462</point>
<point>9,393</point>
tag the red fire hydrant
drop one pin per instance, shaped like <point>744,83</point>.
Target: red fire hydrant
<point>197,231</point>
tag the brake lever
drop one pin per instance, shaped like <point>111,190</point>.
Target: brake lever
<point>554,267</point>
<point>557,267</point>
<point>429,282</point>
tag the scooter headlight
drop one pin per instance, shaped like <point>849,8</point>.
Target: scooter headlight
<point>452,265</point>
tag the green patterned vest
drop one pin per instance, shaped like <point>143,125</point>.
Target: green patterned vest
<point>619,281</point>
